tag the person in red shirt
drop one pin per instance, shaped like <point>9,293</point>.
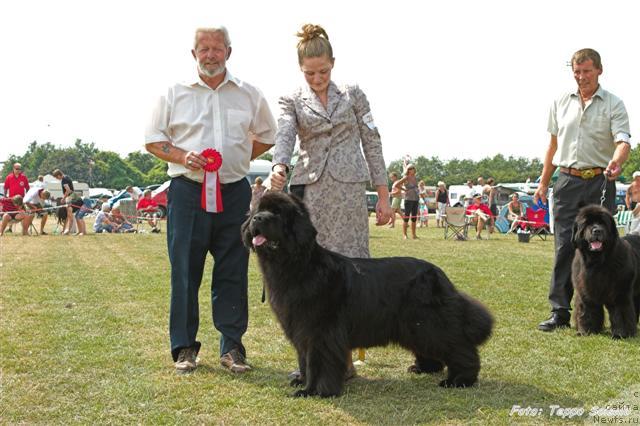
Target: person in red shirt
<point>16,182</point>
<point>480,214</point>
<point>12,209</point>
<point>149,208</point>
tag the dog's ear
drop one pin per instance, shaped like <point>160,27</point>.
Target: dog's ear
<point>575,232</point>
<point>246,235</point>
<point>303,230</point>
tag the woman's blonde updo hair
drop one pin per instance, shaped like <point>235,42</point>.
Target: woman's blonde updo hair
<point>314,42</point>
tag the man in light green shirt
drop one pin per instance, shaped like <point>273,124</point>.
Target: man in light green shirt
<point>590,140</point>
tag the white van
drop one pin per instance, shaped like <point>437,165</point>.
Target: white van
<point>456,193</point>
<point>260,168</point>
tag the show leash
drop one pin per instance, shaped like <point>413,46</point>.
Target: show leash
<point>604,187</point>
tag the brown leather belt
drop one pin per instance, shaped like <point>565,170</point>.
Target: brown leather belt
<point>583,173</point>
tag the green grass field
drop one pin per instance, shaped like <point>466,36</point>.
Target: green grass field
<point>84,339</point>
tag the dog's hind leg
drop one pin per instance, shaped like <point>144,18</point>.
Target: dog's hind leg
<point>589,317</point>
<point>623,319</point>
<point>425,364</point>
<point>463,366</point>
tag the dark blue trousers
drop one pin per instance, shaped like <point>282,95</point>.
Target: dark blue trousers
<point>570,193</point>
<point>191,234</point>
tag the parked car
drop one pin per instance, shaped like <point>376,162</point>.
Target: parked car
<point>372,200</point>
<point>159,195</point>
<point>260,168</point>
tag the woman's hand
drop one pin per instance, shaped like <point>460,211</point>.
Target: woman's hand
<point>278,177</point>
<point>384,213</point>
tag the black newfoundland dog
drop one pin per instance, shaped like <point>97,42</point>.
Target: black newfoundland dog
<point>605,272</point>
<point>328,304</point>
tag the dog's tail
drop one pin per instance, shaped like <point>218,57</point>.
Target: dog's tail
<point>478,321</point>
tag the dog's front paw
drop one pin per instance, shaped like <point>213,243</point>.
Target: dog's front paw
<point>618,335</point>
<point>302,393</point>
<point>296,378</point>
<point>414,369</point>
<point>297,382</point>
<point>456,383</point>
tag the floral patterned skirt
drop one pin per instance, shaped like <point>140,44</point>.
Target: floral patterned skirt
<point>339,212</point>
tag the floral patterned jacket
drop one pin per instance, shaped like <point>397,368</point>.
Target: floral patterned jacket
<point>341,139</point>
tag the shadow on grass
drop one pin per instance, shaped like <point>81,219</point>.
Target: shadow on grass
<point>410,399</point>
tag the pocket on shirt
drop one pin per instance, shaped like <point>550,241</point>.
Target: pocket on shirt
<point>238,122</point>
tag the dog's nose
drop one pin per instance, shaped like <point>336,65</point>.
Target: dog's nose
<point>596,231</point>
<point>256,218</point>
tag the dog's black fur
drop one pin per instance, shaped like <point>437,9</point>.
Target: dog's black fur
<point>605,272</point>
<point>328,304</point>
<point>61,214</point>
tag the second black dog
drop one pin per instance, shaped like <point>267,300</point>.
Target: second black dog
<point>605,273</point>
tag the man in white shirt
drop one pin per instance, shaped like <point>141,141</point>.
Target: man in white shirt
<point>215,111</point>
<point>590,140</point>
<point>34,202</point>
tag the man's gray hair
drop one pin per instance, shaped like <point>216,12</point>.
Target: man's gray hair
<point>217,29</point>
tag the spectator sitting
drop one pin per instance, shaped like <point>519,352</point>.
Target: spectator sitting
<point>480,214</point>
<point>149,209</point>
<point>516,211</point>
<point>633,192</point>
<point>119,221</point>
<point>12,209</point>
<point>103,223</point>
<point>34,202</point>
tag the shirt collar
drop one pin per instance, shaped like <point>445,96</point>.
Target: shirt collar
<point>228,77</point>
<point>599,92</point>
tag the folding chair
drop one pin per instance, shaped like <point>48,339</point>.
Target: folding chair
<point>623,219</point>
<point>534,222</point>
<point>456,223</point>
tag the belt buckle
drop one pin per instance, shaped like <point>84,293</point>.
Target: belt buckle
<point>587,174</point>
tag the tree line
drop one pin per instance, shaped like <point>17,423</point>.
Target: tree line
<point>84,162</point>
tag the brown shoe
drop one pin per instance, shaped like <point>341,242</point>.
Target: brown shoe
<point>235,362</point>
<point>186,362</point>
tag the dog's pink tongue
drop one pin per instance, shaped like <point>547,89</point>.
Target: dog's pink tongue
<point>596,245</point>
<point>258,240</point>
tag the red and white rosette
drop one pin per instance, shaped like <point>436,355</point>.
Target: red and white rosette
<point>211,199</point>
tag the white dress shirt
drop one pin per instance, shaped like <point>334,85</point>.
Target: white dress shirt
<point>194,117</point>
